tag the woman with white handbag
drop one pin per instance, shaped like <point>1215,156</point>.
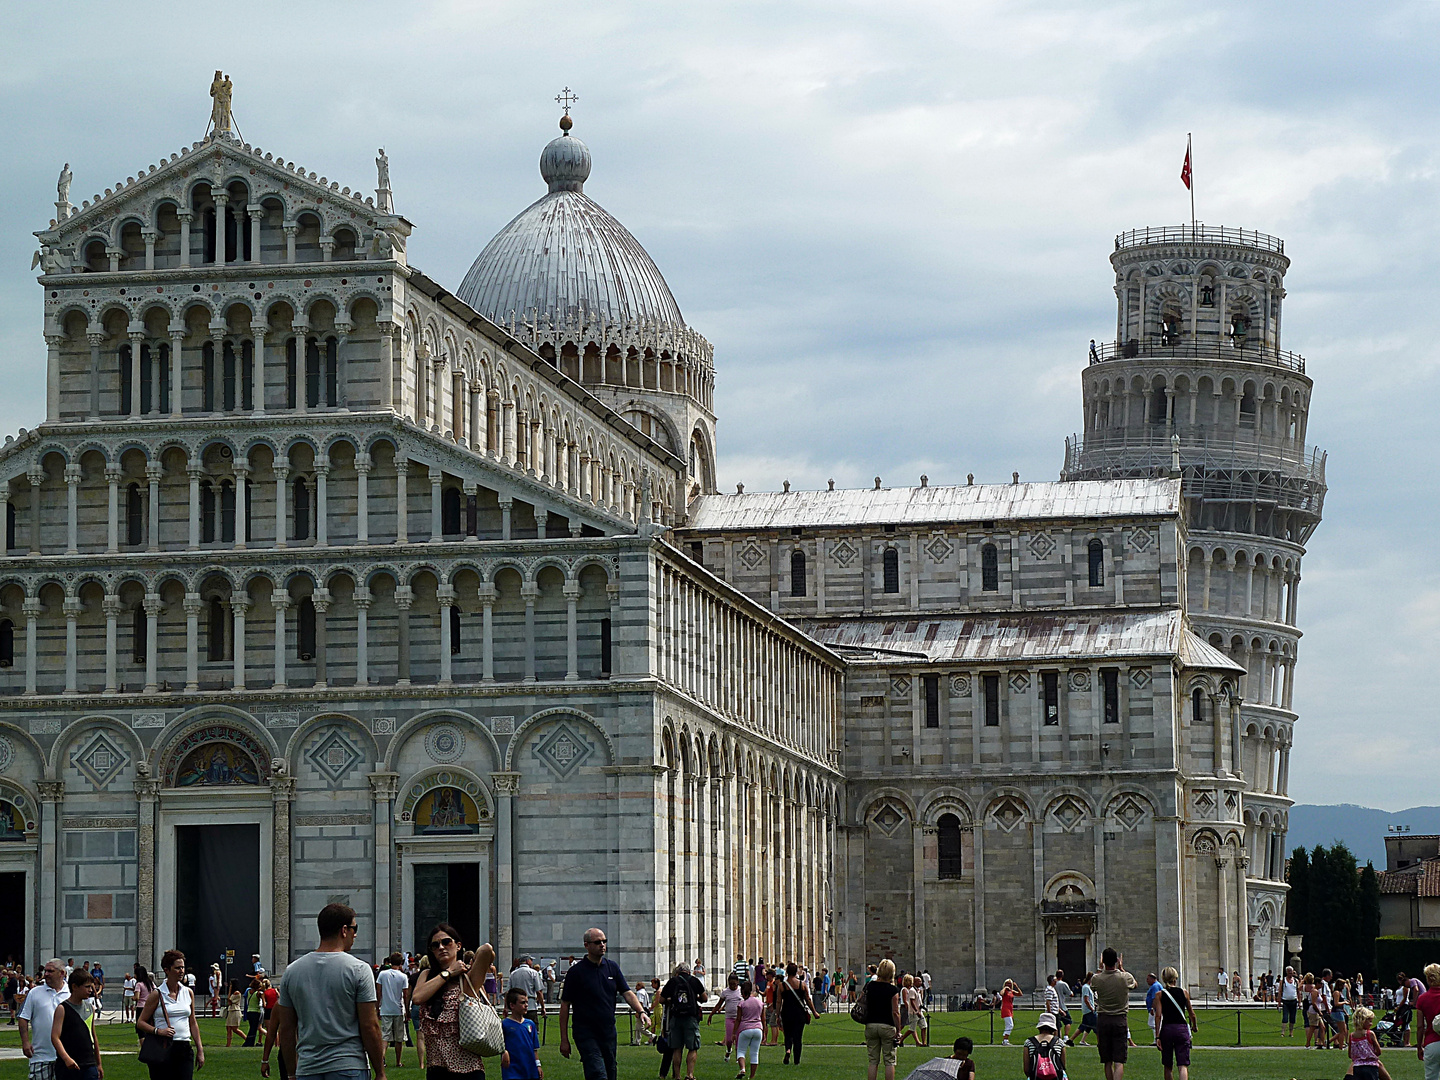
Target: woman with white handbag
<point>461,1028</point>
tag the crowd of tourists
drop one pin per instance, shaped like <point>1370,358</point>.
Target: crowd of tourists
<point>335,1017</point>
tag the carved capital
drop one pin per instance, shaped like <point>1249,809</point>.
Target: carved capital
<point>192,603</point>
<point>404,597</point>
<point>384,785</point>
<point>282,788</point>
<point>51,791</point>
<point>506,783</point>
<point>111,606</point>
<point>147,790</point>
<point>72,474</point>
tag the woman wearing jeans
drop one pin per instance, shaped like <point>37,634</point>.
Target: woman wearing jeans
<point>882,1020</point>
<point>170,1013</point>
<point>749,1029</point>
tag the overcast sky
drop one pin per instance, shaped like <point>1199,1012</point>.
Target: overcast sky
<point>891,219</point>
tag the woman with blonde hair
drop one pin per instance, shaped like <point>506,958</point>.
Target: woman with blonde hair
<point>1174,1020</point>
<point>882,1020</point>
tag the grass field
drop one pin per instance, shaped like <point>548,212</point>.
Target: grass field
<point>833,1049</point>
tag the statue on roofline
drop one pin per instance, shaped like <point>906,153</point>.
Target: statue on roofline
<point>221,90</point>
<point>62,186</point>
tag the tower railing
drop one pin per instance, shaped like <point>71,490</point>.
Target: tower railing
<point>1131,449</point>
<point>1232,350</point>
<point>1209,234</point>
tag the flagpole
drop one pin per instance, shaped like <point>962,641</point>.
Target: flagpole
<point>1190,157</point>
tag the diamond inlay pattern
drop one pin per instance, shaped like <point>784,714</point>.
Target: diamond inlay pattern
<point>564,750</point>
<point>100,760</point>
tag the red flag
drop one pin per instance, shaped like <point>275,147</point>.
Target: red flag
<point>1185,169</point>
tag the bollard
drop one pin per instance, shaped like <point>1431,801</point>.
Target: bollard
<point>992,1027</point>
<point>1238,1041</point>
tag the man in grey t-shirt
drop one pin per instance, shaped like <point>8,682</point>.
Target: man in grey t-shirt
<point>327,1016</point>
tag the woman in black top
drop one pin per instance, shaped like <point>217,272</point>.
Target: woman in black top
<point>796,1008</point>
<point>882,1020</point>
<point>77,1056</point>
<point>1173,1020</point>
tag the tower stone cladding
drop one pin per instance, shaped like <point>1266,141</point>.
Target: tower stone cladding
<point>1196,381</point>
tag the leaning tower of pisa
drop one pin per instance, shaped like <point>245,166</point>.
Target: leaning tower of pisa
<point>1196,384</point>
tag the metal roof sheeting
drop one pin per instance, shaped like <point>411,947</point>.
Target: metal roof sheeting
<point>935,505</point>
<point>993,638</point>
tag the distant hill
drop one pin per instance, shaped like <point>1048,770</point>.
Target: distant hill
<point>1360,827</point>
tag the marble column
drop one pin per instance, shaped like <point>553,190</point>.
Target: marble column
<point>505,506</point>
<point>281,603</point>
<point>322,503</point>
<point>384,786</point>
<point>257,374</point>
<point>321,600</point>
<point>290,229</point>
<point>177,372</point>
<point>282,517</point>
<point>487,594</point>
<point>137,342</point>
<point>362,636</point>
<point>238,609</point>
<point>507,784</point>
<point>402,497</point>
<point>153,607</point>
<point>72,509</point>
<point>112,534</point>
<point>436,526</point>
<point>362,498</point>
<point>1222,889</point>
<point>193,606</point>
<point>572,646</point>
<point>282,793</point>
<point>111,606</point>
<point>147,794</point>
<point>256,214</point>
<point>403,599</point>
<point>530,592</point>
<point>72,607</point>
<point>387,363</point>
<point>52,798</point>
<point>32,609</point>
<point>36,478</point>
<point>195,475</point>
<point>242,495</point>
<point>446,596</point>
<point>153,472</point>
<point>186,217</point>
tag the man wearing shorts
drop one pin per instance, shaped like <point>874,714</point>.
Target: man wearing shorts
<point>1063,994</point>
<point>393,989</point>
<point>1112,986</point>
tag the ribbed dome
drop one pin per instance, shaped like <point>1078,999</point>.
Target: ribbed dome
<point>564,256</point>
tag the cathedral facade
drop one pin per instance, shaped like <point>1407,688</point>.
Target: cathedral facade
<point>322,582</point>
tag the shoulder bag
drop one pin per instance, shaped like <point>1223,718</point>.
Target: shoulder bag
<point>155,1049</point>
<point>480,1030</point>
<point>1183,1015</point>
<point>858,1006</point>
<point>799,1001</point>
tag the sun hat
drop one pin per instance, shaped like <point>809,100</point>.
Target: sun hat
<point>1047,1020</point>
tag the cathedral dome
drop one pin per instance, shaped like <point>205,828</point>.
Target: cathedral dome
<point>565,259</point>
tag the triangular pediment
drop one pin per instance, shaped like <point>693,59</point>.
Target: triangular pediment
<point>181,179</point>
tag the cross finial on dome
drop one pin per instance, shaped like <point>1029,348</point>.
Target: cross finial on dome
<point>565,99</point>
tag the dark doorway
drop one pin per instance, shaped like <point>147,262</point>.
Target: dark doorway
<point>217,893</point>
<point>12,930</point>
<point>1070,958</point>
<point>447,892</point>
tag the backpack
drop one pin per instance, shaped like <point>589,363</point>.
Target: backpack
<point>1046,1067</point>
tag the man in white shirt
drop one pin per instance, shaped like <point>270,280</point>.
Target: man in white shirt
<point>37,1020</point>
<point>1223,981</point>
<point>394,990</point>
<point>526,977</point>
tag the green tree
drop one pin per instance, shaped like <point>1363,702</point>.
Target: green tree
<point>1369,917</point>
<point>1297,904</point>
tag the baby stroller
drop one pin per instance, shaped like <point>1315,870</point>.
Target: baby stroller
<point>1391,1030</point>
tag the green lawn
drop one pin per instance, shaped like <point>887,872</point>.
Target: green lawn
<point>834,1050</point>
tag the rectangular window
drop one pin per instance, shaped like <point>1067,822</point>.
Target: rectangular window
<point>1111,679</point>
<point>697,552</point>
<point>992,700</point>
<point>1050,694</point>
<point>932,701</point>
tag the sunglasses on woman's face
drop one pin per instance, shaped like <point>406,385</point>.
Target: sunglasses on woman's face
<point>442,943</point>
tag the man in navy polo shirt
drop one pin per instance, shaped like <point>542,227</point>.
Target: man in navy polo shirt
<point>591,986</point>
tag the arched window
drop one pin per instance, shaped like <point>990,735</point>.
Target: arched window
<point>1197,706</point>
<point>127,391</point>
<point>227,376</point>
<point>332,372</point>
<point>207,366</point>
<point>1097,563</point>
<point>301,530</point>
<point>146,405</point>
<point>892,570</point>
<point>290,398</point>
<point>797,573</point>
<point>245,392</point>
<point>134,516</point>
<point>165,378</point>
<point>215,630</point>
<point>207,512</point>
<point>7,643</point>
<point>137,634</point>
<point>454,629</point>
<point>312,374</point>
<point>450,512</point>
<point>1159,407</point>
<point>306,636</point>
<point>952,860</point>
<point>227,512</point>
<point>989,569</point>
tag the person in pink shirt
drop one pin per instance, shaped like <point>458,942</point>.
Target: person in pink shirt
<point>1427,1008</point>
<point>728,1000</point>
<point>749,1029</point>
